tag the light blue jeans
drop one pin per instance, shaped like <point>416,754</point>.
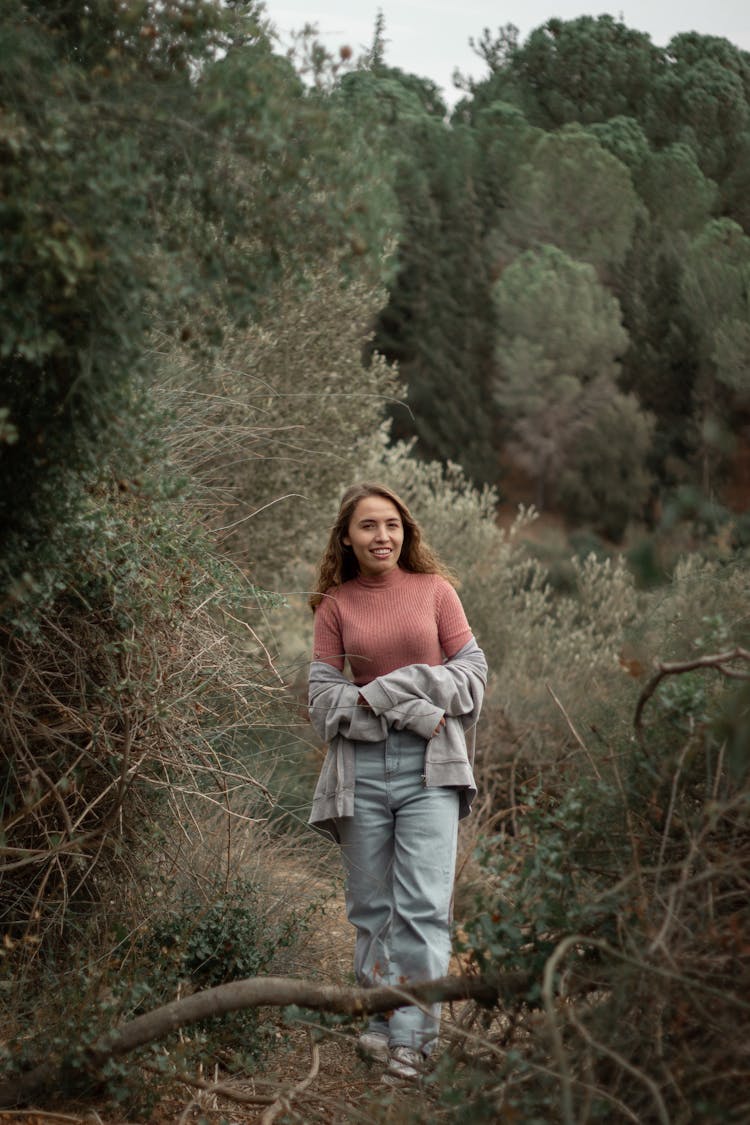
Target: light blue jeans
<point>399,851</point>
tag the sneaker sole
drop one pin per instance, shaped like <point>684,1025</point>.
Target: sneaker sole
<point>374,1056</point>
<point>399,1082</point>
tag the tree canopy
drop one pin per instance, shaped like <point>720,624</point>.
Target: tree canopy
<point>589,139</point>
<point>159,159</point>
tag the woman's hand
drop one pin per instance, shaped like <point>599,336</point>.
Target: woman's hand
<point>437,728</point>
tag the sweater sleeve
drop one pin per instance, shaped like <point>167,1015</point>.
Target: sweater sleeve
<point>328,644</point>
<point>334,707</point>
<point>453,628</point>
<point>416,691</point>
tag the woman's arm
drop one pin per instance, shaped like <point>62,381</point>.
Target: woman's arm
<point>419,695</point>
<point>333,700</point>
<point>335,708</point>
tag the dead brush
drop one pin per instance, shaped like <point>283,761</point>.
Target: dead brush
<point>115,715</point>
<point>644,867</point>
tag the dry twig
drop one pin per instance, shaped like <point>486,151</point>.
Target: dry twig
<point>283,1102</point>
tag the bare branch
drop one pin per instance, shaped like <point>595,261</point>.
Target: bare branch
<point>719,661</point>
<point>219,1089</point>
<point>282,1103</point>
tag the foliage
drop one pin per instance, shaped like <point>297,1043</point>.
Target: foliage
<point>703,99</point>
<point>143,196</point>
<point>624,138</point>
<point>199,944</point>
<point>278,421</point>
<point>581,333</point>
<point>679,197</point>
<point>142,173</point>
<point>555,383</point>
<point>588,138</point>
<point>128,683</point>
<point>585,70</point>
<point>660,364</point>
<point>616,875</point>
<point>191,936</point>
<point>573,193</point>
<point>606,481</point>
<point>715,290</point>
<point>434,324</point>
<point>193,336</point>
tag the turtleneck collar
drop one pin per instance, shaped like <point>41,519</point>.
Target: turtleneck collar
<point>388,580</point>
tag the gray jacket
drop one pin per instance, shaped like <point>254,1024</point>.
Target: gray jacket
<point>415,698</point>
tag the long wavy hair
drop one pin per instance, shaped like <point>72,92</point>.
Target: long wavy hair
<point>339,562</point>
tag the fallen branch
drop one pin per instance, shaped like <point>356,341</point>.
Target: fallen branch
<point>254,992</point>
<point>218,1089</point>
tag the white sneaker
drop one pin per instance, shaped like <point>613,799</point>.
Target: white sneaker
<point>374,1045</point>
<point>405,1065</point>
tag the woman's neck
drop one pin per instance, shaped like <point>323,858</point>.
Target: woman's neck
<point>389,578</point>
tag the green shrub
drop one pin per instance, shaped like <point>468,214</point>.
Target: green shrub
<point>622,861</point>
<point>200,944</point>
<point>192,941</point>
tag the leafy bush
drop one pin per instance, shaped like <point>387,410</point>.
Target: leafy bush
<point>617,881</point>
<point>191,941</point>
<point>141,188</point>
<point>200,944</point>
<point>141,182</point>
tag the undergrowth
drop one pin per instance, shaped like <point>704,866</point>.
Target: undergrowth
<point>615,871</point>
<point>152,703</point>
<point>189,939</point>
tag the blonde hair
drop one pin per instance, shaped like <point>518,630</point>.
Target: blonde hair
<point>339,563</point>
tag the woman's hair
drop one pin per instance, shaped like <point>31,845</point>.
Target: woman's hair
<point>339,563</point>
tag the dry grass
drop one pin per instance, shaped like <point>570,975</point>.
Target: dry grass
<point>115,716</point>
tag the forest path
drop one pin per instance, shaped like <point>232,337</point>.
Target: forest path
<point>314,1069</point>
<point>339,1086</point>
<point>312,1074</point>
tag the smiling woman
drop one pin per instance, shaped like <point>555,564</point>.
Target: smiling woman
<point>398,773</point>
<point>376,535</point>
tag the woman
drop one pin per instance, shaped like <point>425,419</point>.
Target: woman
<point>398,773</point>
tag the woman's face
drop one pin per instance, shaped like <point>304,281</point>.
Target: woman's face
<point>376,535</point>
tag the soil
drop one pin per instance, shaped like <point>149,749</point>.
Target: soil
<point>313,1073</point>
<point>343,1087</point>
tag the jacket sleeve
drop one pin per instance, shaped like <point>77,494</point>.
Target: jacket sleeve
<point>334,707</point>
<point>419,695</point>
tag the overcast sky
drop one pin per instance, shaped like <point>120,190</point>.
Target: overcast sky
<point>430,37</point>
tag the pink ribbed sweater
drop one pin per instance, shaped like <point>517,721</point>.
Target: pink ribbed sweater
<point>380,624</point>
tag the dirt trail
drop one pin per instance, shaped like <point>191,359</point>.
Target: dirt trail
<point>315,1071</point>
<point>339,1086</point>
<point>314,1074</point>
